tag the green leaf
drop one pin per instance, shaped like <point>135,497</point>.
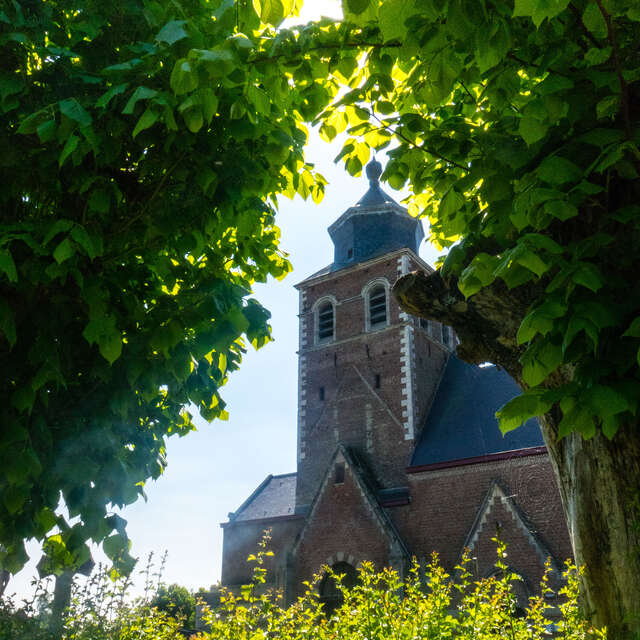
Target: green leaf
<point>522,408</point>
<point>23,398</point>
<point>634,329</point>
<point>539,10</point>
<point>560,209</point>
<point>80,235</point>
<point>541,320</point>
<point>172,32</point>
<point>147,119</point>
<point>106,98</point>
<point>31,123</point>
<point>73,110</point>
<point>47,131</point>
<point>610,426</point>
<point>70,146</point>
<point>141,93</point>
<point>575,326</point>
<point>608,107</point>
<point>532,261</point>
<point>606,401</point>
<point>209,101</point>
<point>392,17</point>
<point>478,274</point>
<point>183,79</point>
<point>556,170</point>
<point>273,11</point>
<point>110,346</point>
<point>57,227</point>
<point>7,322</point>
<point>63,251</point>
<point>588,275</point>
<point>355,6</point>
<point>193,119</point>
<point>532,130</point>
<point>259,99</point>
<point>451,203</point>
<point>594,20</point>
<point>8,266</point>
<point>539,360</point>
<point>577,419</point>
<point>13,498</point>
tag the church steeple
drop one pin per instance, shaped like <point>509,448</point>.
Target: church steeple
<point>375,225</point>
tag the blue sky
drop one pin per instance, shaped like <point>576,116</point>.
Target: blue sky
<point>212,471</point>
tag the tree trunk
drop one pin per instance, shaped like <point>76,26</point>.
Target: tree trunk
<point>61,601</point>
<point>599,479</point>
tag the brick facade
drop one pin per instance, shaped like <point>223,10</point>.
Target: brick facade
<point>376,477</point>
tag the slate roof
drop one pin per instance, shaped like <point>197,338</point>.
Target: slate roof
<point>375,197</point>
<point>462,424</point>
<point>275,497</point>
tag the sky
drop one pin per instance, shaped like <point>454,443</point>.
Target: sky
<point>212,471</point>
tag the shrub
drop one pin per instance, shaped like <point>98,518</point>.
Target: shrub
<point>428,604</point>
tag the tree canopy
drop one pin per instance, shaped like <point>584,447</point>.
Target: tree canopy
<point>140,157</point>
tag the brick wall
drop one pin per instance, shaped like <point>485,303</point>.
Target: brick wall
<point>338,397</point>
<point>445,503</point>
<point>343,527</point>
<point>241,540</point>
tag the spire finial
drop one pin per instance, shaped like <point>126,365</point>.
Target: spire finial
<point>374,171</point>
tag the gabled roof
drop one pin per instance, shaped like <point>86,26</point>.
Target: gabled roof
<point>462,424</point>
<point>275,497</point>
<point>363,480</point>
<point>497,493</point>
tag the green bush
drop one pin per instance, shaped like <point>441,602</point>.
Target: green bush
<point>428,605</point>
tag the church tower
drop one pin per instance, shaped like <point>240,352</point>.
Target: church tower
<point>367,370</point>
<point>398,448</point>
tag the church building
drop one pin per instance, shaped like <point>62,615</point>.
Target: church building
<point>399,452</point>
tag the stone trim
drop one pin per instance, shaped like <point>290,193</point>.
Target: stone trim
<point>341,556</point>
<point>302,401</point>
<point>366,264</point>
<point>407,359</point>
<point>497,492</point>
<point>403,270</point>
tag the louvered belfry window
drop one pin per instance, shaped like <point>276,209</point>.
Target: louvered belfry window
<point>325,321</point>
<point>378,306</point>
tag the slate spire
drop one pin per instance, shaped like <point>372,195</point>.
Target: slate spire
<point>375,225</point>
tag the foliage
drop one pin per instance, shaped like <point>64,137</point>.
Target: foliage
<point>428,604</point>
<point>176,601</point>
<point>141,154</point>
<point>101,609</point>
<point>517,130</point>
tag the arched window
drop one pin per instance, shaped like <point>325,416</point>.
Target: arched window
<point>324,312</point>
<point>330,595</point>
<point>376,304</point>
<point>377,307</point>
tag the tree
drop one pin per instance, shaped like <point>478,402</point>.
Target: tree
<point>176,601</point>
<point>141,155</point>
<point>517,130</point>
